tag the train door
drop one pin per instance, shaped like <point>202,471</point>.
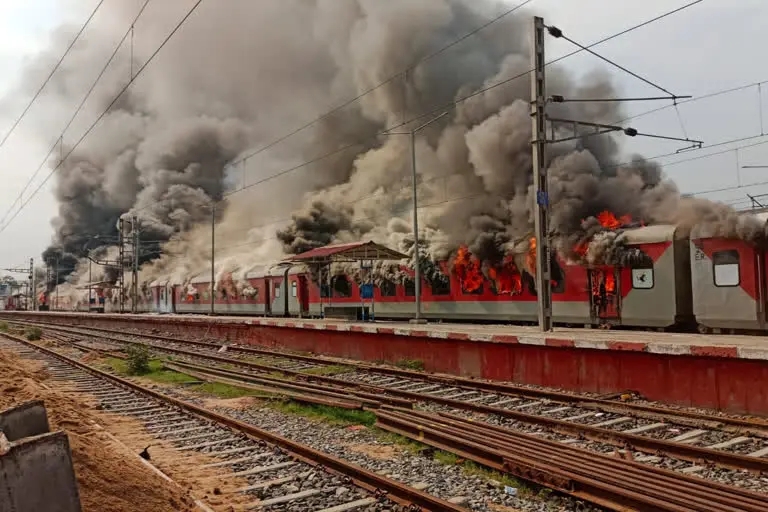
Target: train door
<point>604,295</point>
<point>303,295</point>
<point>172,291</point>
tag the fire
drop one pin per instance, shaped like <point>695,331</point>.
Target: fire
<point>581,249</point>
<point>506,277</point>
<point>610,283</point>
<point>530,258</point>
<point>610,221</point>
<point>467,269</point>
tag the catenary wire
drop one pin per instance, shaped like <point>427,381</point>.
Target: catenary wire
<point>50,75</point>
<point>60,140</point>
<point>106,110</point>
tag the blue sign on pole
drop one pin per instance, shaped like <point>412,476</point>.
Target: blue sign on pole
<point>366,291</point>
<point>542,198</point>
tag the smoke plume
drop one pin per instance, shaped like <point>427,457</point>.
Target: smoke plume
<point>239,75</point>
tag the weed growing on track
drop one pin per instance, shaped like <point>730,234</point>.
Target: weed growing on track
<point>156,373</point>
<point>3,327</point>
<point>328,371</point>
<point>411,364</point>
<point>34,333</point>
<point>138,360</point>
<point>223,390</point>
<point>332,415</point>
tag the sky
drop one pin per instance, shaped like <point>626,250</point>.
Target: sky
<point>712,46</point>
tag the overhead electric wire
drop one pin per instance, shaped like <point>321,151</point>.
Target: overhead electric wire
<point>382,132</point>
<point>106,110</point>
<point>696,98</point>
<point>60,141</point>
<point>50,75</point>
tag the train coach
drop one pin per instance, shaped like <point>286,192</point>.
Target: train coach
<point>729,283</point>
<point>654,291</point>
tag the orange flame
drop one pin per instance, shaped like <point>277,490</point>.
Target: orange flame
<point>467,269</point>
<point>610,221</point>
<point>530,258</point>
<point>581,249</point>
<point>506,277</point>
<point>610,283</point>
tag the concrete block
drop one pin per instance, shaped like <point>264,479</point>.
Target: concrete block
<point>26,420</point>
<point>37,475</point>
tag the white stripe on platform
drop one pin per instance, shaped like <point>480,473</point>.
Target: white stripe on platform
<point>597,345</point>
<point>752,353</point>
<point>532,341</point>
<point>668,348</point>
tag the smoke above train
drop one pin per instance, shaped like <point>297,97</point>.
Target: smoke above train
<point>240,75</point>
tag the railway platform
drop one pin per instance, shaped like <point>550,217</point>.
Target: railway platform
<point>724,372</point>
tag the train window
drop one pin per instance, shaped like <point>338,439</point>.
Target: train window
<point>440,285</point>
<point>726,268</point>
<point>410,287</point>
<point>642,278</point>
<point>277,290</point>
<point>387,288</point>
<point>341,286</point>
<point>294,289</point>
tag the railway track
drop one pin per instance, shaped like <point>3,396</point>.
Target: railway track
<point>274,473</point>
<point>716,447</point>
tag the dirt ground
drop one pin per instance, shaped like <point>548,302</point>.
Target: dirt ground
<point>110,479</point>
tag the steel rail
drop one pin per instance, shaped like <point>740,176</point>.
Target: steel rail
<point>681,451</point>
<point>576,471</point>
<point>754,426</point>
<point>484,433</point>
<point>361,477</point>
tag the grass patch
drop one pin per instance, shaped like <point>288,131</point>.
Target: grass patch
<point>3,327</point>
<point>225,390</point>
<point>34,333</point>
<point>156,372</point>
<point>258,360</point>
<point>326,413</point>
<point>472,468</point>
<point>402,441</point>
<point>447,458</point>
<point>328,371</point>
<point>279,375</point>
<point>411,364</point>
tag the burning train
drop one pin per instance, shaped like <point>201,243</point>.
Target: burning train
<point>666,278</point>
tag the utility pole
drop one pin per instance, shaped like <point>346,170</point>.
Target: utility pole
<point>136,254</point>
<point>539,121</point>
<point>415,202</point>
<point>32,284</point>
<point>57,283</point>
<point>213,258</point>
<point>540,181</point>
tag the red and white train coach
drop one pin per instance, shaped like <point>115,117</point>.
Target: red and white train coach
<point>652,292</point>
<point>729,282</point>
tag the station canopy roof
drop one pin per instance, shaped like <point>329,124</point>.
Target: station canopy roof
<point>95,284</point>
<point>354,251</point>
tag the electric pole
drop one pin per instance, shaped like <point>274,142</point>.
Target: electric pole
<point>32,298</point>
<point>213,258</point>
<point>135,265</point>
<point>539,121</point>
<point>540,181</point>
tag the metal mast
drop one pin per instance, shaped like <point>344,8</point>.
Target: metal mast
<point>539,141</point>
